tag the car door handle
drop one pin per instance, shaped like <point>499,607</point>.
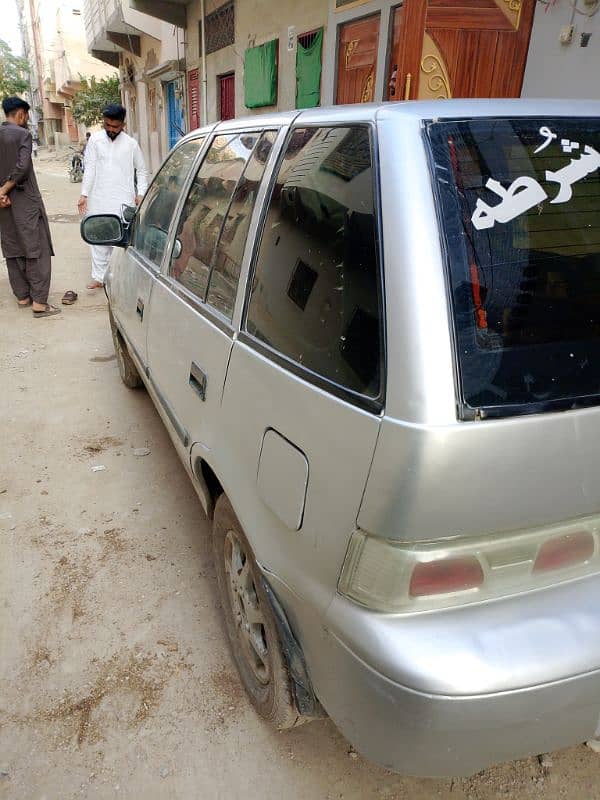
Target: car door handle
<point>197,380</point>
<point>139,309</point>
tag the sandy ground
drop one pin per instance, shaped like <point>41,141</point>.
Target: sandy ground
<point>115,678</point>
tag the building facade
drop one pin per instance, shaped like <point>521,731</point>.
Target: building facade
<point>263,56</point>
<point>564,53</point>
<point>54,44</point>
<point>237,31</point>
<point>240,57</point>
<point>149,54</point>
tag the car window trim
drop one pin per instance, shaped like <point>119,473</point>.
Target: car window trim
<point>208,312</point>
<point>228,326</point>
<point>143,261</point>
<point>171,236</point>
<point>254,228</point>
<point>157,268</point>
<point>185,190</point>
<point>373,404</point>
<point>260,133</point>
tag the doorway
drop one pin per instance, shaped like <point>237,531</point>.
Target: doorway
<point>357,60</point>
<point>227,96</point>
<point>176,121</point>
<point>474,49</point>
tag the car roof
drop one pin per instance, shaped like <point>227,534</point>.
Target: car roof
<point>275,118</point>
<point>412,109</point>
<point>515,107</point>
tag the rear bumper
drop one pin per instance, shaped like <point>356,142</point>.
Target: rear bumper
<point>448,694</point>
<point>441,736</point>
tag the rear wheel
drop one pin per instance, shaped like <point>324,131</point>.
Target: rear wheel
<point>127,369</point>
<point>250,623</point>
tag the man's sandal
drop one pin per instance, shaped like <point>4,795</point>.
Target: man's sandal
<point>49,311</point>
<point>69,298</point>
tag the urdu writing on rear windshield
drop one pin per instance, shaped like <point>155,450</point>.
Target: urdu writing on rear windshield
<point>520,204</point>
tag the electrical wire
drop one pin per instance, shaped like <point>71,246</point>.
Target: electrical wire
<point>574,5</point>
<point>593,10</point>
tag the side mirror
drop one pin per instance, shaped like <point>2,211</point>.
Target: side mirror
<point>177,248</point>
<point>105,229</point>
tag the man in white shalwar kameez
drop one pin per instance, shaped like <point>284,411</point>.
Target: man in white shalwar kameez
<point>113,162</point>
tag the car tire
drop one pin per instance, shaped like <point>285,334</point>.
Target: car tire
<point>127,369</point>
<point>249,621</point>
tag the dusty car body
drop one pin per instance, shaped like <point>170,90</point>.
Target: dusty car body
<point>373,333</point>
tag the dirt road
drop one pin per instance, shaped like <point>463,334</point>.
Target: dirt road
<point>115,677</point>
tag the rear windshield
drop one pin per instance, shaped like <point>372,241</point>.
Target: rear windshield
<point>520,210</point>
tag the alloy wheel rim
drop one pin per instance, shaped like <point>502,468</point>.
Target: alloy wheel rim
<point>245,605</point>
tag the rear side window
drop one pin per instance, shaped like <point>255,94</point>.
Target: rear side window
<point>227,260</point>
<point>520,202</point>
<point>205,209</point>
<point>152,221</point>
<point>315,294</point>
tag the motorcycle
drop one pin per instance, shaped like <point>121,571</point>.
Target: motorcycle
<point>76,168</point>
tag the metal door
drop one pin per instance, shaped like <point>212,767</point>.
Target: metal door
<point>176,120</point>
<point>129,285</point>
<point>189,338</point>
<point>227,96</point>
<point>296,449</point>
<point>188,353</point>
<point>133,271</point>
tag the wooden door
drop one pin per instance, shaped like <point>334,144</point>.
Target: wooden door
<point>467,48</point>
<point>227,96</point>
<point>194,99</point>
<point>357,60</point>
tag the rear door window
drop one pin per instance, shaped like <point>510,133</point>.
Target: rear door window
<point>316,290</point>
<point>227,259</point>
<point>520,204</point>
<point>206,206</point>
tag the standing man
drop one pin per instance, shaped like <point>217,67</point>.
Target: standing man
<point>113,161</point>
<point>84,146</point>
<point>24,229</point>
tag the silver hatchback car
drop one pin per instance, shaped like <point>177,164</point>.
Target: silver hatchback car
<point>373,333</point>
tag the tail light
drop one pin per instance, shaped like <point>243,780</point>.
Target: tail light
<point>565,551</point>
<point>396,576</point>
<point>445,575</point>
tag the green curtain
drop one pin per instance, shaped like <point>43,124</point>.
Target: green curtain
<point>260,75</point>
<point>308,73</point>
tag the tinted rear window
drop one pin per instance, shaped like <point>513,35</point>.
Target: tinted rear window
<point>520,203</point>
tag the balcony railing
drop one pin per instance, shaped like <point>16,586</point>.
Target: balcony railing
<point>96,16</point>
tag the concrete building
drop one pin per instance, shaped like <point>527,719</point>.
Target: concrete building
<point>371,50</point>
<point>239,57</point>
<point>564,53</point>
<point>233,28</point>
<point>54,44</point>
<point>150,56</point>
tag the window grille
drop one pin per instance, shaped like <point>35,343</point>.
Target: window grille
<point>306,39</point>
<point>219,28</point>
